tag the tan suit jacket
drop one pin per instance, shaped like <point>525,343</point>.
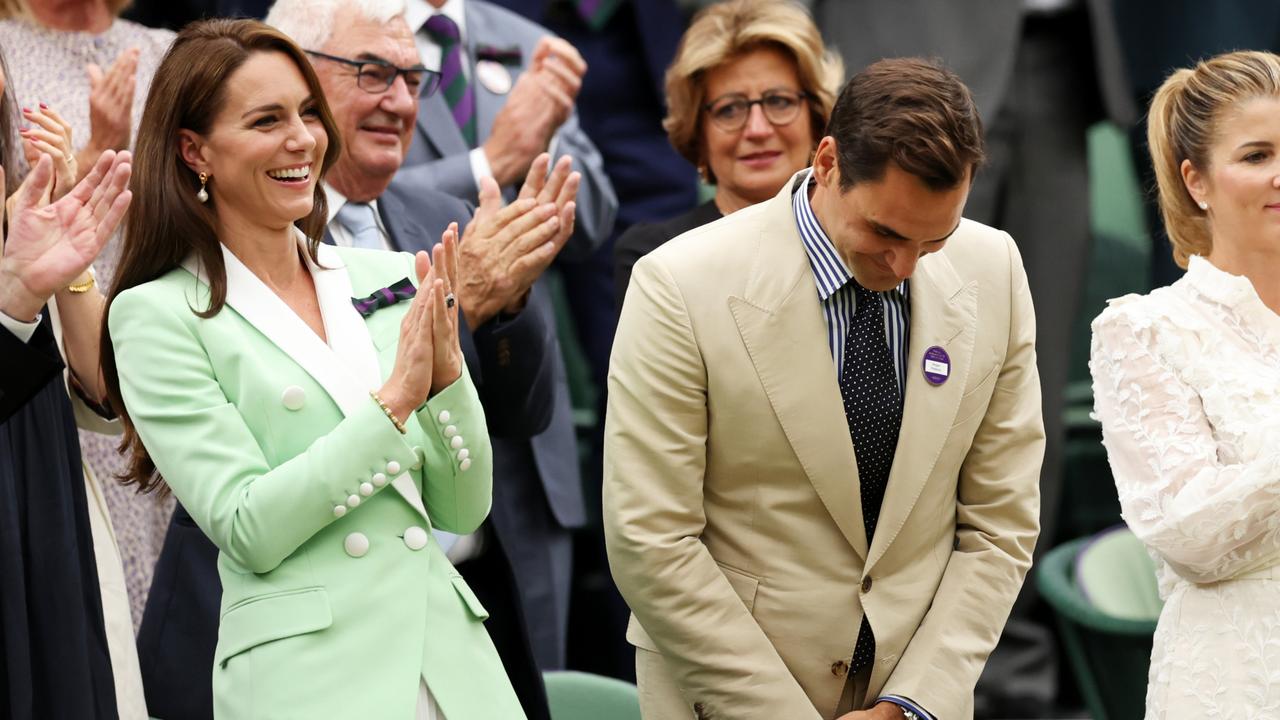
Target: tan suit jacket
<point>731,505</point>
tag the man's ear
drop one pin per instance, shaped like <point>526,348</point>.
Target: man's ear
<point>826,168</point>
<point>192,150</point>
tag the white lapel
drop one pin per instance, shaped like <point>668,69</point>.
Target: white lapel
<point>347,367</point>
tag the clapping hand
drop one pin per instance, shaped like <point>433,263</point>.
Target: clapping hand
<point>49,245</point>
<point>50,135</point>
<point>428,355</point>
<point>111,102</point>
<point>505,249</point>
<point>539,103</point>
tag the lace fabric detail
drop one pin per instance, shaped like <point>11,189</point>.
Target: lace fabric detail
<point>1186,384</point>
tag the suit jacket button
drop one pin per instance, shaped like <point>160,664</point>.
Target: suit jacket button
<point>293,397</point>
<point>379,479</point>
<point>443,417</point>
<point>356,544</point>
<point>839,668</point>
<point>465,464</point>
<point>366,489</point>
<point>393,468</point>
<point>450,431</point>
<point>339,510</point>
<point>415,538</point>
<point>866,584</point>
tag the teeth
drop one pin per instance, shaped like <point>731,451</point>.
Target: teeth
<point>290,174</point>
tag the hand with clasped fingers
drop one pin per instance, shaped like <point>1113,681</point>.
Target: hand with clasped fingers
<point>428,355</point>
<point>49,245</point>
<point>883,710</point>
<point>505,249</point>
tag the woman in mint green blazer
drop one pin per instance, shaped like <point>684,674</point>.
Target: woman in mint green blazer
<point>303,402</point>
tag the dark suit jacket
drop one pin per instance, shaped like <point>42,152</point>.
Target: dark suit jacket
<point>640,240</point>
<point>507,361</point>
<point>27,368</point>
<point>54,661</point>
<point>978,40</point>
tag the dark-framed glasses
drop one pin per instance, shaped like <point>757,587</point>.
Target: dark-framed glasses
<point>377,76</point>
<point>730,112</point>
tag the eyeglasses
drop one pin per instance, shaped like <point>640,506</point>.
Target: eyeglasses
<point>730,113</point>
<point>377,76</point>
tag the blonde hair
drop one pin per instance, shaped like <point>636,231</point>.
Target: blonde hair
<point>1181,125</point>
<point>726,30</point>
<point>21,8</point>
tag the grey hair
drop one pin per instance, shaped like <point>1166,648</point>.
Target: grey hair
<point>310,22</point>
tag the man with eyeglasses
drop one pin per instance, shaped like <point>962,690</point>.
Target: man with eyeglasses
<point>364,55</point>
<point>507,94</point>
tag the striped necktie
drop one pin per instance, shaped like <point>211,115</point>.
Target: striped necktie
<point>596,13</point>
<point>453,82</point>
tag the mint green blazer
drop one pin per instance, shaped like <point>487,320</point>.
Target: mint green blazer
<point>336,600</point>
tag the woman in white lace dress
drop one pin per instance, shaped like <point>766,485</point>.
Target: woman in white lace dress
<point>1187,386</point>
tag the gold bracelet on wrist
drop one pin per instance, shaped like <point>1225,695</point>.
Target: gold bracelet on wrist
<point>390,415</point>
<point>85,286</point>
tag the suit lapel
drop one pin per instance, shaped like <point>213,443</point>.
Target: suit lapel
<point>487,103</point>
<point>347,368</point>
<point>943,314</point>
<point>436,124</point>
<point>782,326</point>
<point>263,309</point>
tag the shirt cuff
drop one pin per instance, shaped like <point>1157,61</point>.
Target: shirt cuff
<point>21,330</point>
<point>480,168</point>
<point>905,703</point>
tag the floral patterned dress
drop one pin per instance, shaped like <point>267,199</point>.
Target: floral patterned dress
<point>48,66</point>
<point>1186,383</point>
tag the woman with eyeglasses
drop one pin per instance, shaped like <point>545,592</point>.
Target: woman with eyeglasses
<point>748,96</point>
<point>307,404</point>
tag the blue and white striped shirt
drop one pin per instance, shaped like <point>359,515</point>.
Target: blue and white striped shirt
<point>835,291</point>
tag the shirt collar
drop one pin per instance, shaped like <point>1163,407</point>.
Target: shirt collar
<point>829,269</point>
<point>334,201</point>
<point>417,12</point>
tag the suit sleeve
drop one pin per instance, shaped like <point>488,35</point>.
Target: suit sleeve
<point>256,514</point>
<point>597,203</point>
<point>515,359</point>
<point>997,523</point>
<point>29,366</point>
<point>450,175</point>
<point>654,467</point>
<point>638,241</point>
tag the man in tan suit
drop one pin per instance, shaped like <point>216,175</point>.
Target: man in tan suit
<point>800,538</point>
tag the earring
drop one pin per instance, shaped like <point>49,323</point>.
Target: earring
<point>1204,205</point>
<point>203,195</point>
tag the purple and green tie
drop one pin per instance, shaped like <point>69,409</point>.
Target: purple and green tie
<point>453,81</point>
<point>596,13</point>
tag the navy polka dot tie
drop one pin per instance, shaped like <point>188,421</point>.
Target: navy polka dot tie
<point>873,408</point>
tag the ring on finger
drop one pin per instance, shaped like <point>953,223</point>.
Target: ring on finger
<point>450,301</point>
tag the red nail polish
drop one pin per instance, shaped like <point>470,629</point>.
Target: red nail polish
<point>43,106</point>
<point>26,110</point>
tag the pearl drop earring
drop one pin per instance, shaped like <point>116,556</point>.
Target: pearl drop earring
<point>203,195</point>
<point>1204,205</point>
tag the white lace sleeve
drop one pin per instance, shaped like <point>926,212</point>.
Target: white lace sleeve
<point>1207,519</point>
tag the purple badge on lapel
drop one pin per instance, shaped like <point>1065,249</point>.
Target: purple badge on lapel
<point>936,365</point>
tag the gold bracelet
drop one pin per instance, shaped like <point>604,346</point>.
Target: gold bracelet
<point>83,287</point>
<point>392,416</point>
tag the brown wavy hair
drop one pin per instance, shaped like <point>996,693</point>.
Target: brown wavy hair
<point>166,222</point>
